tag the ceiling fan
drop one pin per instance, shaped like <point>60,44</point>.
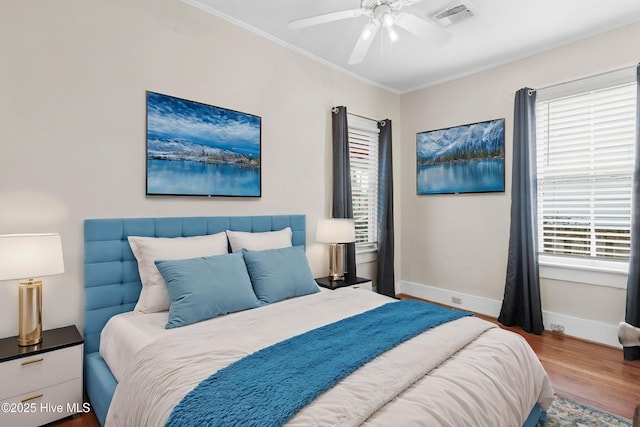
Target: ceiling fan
<point>381,13</point>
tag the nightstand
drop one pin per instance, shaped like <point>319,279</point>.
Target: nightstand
<point>357,283</point>
<point>43,382</point>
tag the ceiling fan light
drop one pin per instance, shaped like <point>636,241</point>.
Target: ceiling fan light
<point>368,30</point>
<point>393,34</point>
<point>388,19</point>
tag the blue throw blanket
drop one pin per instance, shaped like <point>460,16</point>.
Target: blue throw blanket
<point>270,386</point>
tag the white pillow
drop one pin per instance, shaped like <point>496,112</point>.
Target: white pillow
<point>259,241</point>
<point>154,296</point>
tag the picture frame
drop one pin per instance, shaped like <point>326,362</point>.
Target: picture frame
<point>195,149</point>
<point>461,159</point>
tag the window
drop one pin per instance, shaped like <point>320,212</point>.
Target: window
<point>363,157</point>
<point>585,134</point>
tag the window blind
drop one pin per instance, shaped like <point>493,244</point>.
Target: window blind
<point>585,159</point>
<point>363,157</point>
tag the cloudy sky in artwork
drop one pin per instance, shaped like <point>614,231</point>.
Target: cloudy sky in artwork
<point>174,118</point>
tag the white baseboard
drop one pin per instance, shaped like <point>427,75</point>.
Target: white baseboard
<point>599,332</point>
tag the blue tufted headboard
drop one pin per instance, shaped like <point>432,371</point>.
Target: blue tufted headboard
<point>111,280</point>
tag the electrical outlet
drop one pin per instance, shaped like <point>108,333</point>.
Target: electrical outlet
<point>456,300</point>
<point>557,328</point>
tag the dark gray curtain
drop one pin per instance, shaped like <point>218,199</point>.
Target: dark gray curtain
<point>342,202</point>
<point>386,279</point>
<point>521,304</point>
<point>632,315</point>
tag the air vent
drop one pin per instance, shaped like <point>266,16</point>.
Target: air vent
<point>453,14</point>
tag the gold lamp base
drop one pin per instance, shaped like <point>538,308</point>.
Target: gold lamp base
<point>336,261</point>
<point>30,313</point>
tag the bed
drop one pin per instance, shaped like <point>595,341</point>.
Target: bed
<point>485,376</point>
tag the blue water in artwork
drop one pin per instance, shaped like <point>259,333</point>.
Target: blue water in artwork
<point>201,178</point>
<point>472,176</point>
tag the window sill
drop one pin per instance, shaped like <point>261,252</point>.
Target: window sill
<point>599,273</point>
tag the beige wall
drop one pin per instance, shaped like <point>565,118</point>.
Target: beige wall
<point>459,242</point>
<point>73,76</point>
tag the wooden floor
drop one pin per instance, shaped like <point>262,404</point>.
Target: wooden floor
<point>589,373</point>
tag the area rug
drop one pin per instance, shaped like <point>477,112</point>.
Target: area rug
<point>565,412</point>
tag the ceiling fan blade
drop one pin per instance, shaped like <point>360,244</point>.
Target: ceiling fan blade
<point>362,45</point>
<point>327,17</point>
<point>422,28</point>
<point>410,2</point>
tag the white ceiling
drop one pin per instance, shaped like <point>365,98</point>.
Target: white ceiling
<point>501,31</point>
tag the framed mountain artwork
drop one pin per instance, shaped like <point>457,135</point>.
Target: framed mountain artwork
<point>461,159</point>
<point>195,149</point>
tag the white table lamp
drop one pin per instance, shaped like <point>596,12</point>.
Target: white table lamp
<point>336,232</point>
<point>26,256</point>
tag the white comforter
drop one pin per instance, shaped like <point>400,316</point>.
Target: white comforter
<point>464,373</point>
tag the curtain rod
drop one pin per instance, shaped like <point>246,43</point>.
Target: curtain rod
<point>628,67</point>
<point>383,121</point>
<point>362,117</point>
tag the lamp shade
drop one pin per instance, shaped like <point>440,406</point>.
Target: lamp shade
<point>336,230</point>
<point>24,256</point>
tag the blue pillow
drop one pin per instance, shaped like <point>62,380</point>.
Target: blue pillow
<point>278,274</point>
<point>204,288</point>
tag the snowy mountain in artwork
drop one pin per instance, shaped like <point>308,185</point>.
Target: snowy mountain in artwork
<point>182,149</point>
<point>482,140</point>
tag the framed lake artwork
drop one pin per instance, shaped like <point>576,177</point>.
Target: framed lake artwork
<point>461,159</point>
<point>194,149</point>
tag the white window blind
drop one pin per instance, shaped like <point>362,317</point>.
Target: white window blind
<point>363,157</point>
<point>585,156</point>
